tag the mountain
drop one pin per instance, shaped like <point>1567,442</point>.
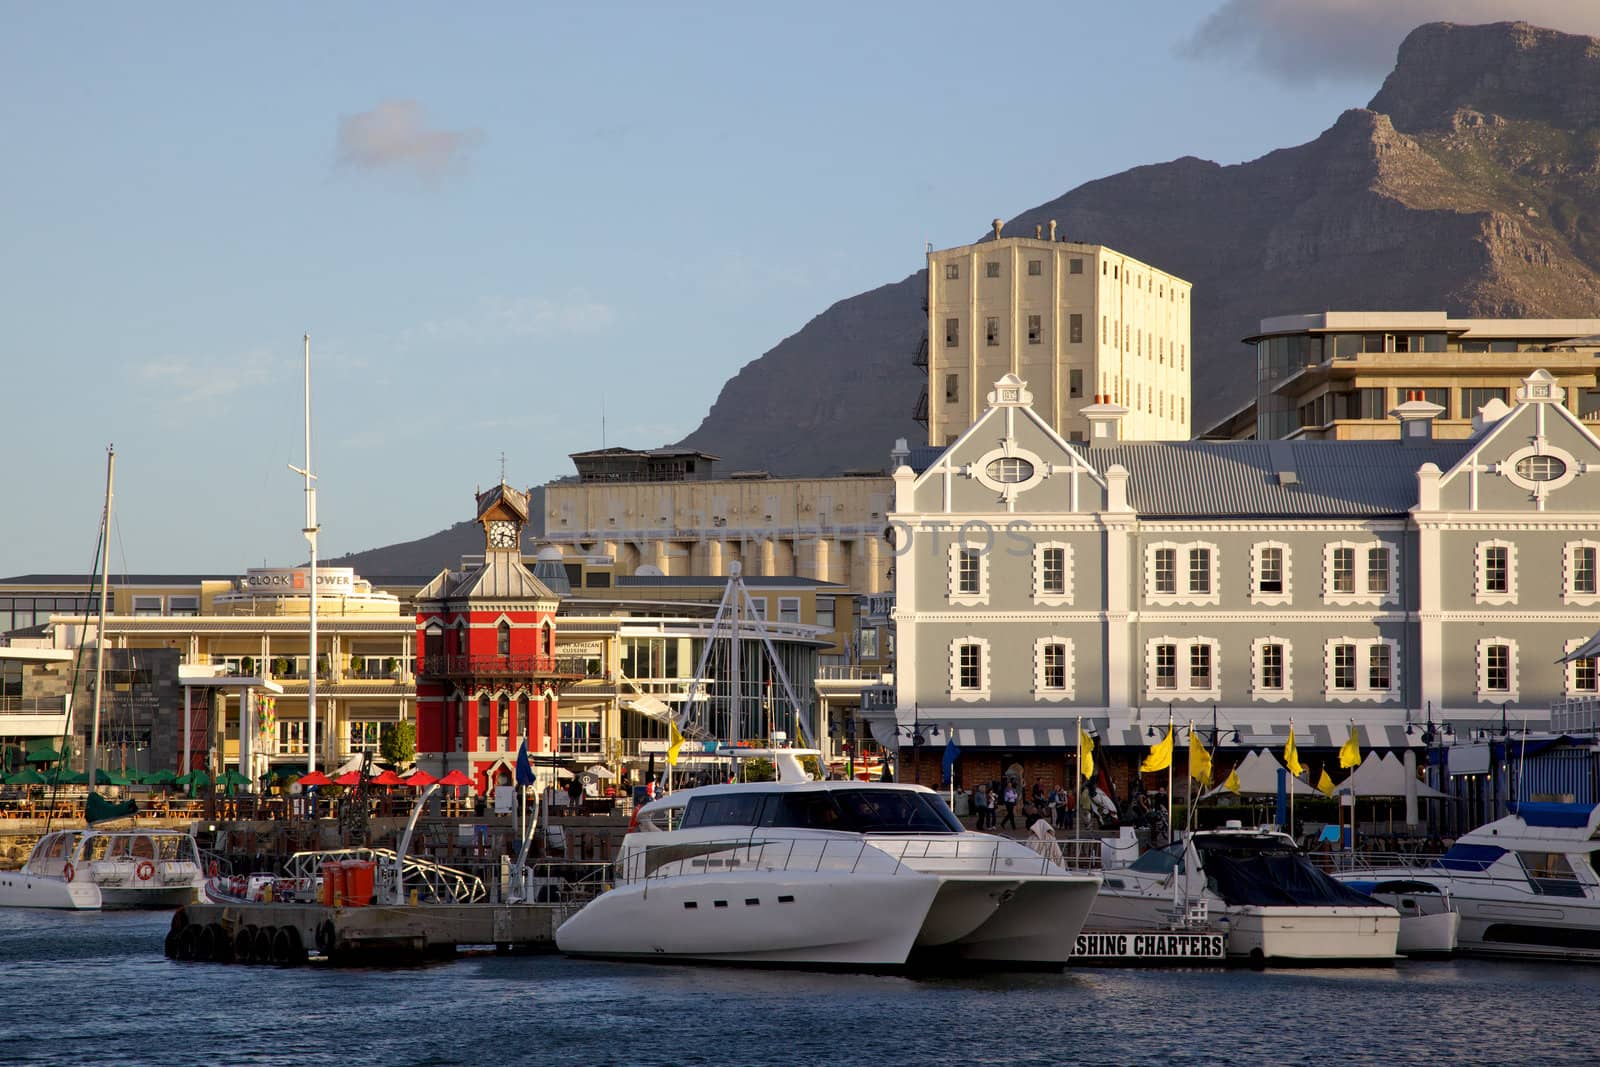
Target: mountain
<point>1470,183</point>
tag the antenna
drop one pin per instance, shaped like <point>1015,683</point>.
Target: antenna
<point>602,418</point>
<point>502,467</point>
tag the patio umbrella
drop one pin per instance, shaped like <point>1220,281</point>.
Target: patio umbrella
<point>388,778</point>
<point>42,754</point>
<point>26,776</point>
<point>134,777</point>
<point>348,778</point>
<point>232,779</point>
<point>314,778</point>
<point>71,778</point>
<point>105,777</point>
<point>600,770</point>
<point>161,777</point>
<point>418,779</point>
<point>193,779</point>
<point>455,778</point>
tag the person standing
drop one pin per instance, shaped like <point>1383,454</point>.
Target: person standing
<point>1009,799</point>
<point>980,805</point>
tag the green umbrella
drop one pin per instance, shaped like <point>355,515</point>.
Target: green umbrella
<point>161,777</point>
<point>71,778</point>
<point>42,754</point>
<point>134,777</point>
<point>232,779</point>
<point>105,777</point>
<point>27,776</point>
<point>193,779</point>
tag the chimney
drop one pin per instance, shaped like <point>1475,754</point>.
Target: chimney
<point>1416,417</point>
<point>998,223</point>
<point>1052,229</point>
<point>1105,421</point>
<point>1038,231</point>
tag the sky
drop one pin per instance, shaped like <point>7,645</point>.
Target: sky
<point>528,229</point>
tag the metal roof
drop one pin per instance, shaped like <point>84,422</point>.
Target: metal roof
<point>1274,478</point>
<point>753,580</point>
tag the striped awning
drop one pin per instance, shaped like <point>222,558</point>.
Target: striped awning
<point>1056,732</point>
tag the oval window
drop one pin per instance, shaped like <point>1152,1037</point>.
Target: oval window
<point>1010,471</point>
<point>1540,468</point>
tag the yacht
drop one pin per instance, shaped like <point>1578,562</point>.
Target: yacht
<point>1430,925</point>
<point>831,874</point>
<point>1257,888</point>
<point>1525,885</point>
<point>89,869</point>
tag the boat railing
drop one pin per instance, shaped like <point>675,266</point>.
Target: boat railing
<point>431,881</point>
<point>1485,872</point>
<point>565,884</point>
<point>733,855</point>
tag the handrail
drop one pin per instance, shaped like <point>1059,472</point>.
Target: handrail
<point>713,857</point>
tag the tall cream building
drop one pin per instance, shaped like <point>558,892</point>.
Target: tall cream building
<point>1076,321</point>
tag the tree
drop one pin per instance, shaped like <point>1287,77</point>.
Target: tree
<point>399,746</point>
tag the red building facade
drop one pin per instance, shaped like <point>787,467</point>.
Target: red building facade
<point>487,673</point>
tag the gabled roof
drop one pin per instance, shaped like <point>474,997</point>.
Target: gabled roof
<point>506,498</point>
<point>501,577</point>
<point>1193,479</point>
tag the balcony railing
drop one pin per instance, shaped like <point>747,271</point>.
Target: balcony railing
<point>506,666</point>
<point>850,673</point>
<point>15,705</point>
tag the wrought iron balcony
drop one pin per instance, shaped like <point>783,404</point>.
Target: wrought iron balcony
<point>921,358</point>
<point>504,666</point>
<point>921,412</point>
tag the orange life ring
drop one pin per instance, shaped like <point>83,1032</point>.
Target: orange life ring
<point>211,869</point>
<point>146,871</point>
<point>67,872</point>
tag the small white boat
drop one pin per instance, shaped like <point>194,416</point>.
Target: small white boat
<point>1258,888</point>
<point>107,869</point>
<point>837,874</point>
<point>1429,921</point>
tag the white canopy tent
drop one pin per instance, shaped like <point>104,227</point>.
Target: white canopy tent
<point>1590,649</point>
<point>1384,776</point>
<point>1258,776</point>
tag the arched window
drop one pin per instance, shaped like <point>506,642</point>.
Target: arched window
<point>505,717</point>
<point>503,639</point>
<point>522,714</point>
<point>549,725</point>
<point>483,718</point>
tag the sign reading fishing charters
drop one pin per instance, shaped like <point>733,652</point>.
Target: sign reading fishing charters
<point>297,580</point>
<point>1152,946</point>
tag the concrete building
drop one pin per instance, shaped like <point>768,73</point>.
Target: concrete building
<point>1075,320</point>
<point>1338,375</point>
<point>1250,584</point>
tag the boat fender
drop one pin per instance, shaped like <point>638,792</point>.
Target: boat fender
<point>211,869</point>
<point>327,936</point>
<point>67,872</point>
<point>242,939</point>
<point>146,870</point>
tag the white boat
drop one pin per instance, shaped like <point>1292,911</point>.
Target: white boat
<point>1525,885</point>
<point>1430,925</point>
<point>833,874</point>
<point>1257,888</point>
<point>89,869</point>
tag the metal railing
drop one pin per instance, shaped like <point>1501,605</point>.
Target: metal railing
<point>433,881</point>
<point>728,856</point>
<point>850,673</point>
<point>1479,872</point>
<point>33,705</point>
<point>1579,716</point>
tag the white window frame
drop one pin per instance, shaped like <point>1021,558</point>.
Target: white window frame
<point>1571,679</point>
<point>970,600</point>
<point>1257,691</point>
<point>790,604</point>
<point>1185,689</point>
<point>1040,596</point>
<point>1257,550</point>
<point>985,674</point>
<point>1182,595</point>
<point>1363,693</point>
<point>148,605</point>
<point>1069,680</point>
<point>1480,572</point>
<point>1362,594</point>
<point>1569,576</point>
<point>1498,696</point>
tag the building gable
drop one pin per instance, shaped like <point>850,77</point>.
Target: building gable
<point>1539,457</point>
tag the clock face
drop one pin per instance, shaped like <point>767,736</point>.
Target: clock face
<point>502,534</point>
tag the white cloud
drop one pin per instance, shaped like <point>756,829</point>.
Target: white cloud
<point>496,320</point>
<point>1311,40</point>
<point>395,136</point>
<point>199,383</point>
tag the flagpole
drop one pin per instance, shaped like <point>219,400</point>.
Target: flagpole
<point>1353,793</point>
<point>1291,780</point>
<point>1077,799</point>
<point>1171,741</point>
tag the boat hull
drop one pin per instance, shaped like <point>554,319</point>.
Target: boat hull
<point>787,918</point>
<point>1267,935</point>
<point>1035,921</point>
<point>18,890</point>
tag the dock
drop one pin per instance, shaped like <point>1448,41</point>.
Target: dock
<point>294,934</point>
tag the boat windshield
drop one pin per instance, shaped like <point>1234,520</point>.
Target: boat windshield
<point>1160,860</point>
<point>860,811</point>
<point>1268,871</point>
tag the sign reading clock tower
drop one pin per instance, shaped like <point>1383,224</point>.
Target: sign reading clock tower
<point>488,677</point>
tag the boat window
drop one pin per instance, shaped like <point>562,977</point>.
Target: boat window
<point>1550,873</point>
<point>869,811</point>
<point>727,809</point>
<point>814,809</point>
<point>1160,861</point>
<point>95,848</point>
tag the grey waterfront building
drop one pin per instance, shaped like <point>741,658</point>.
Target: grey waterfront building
<point>1327,583</point>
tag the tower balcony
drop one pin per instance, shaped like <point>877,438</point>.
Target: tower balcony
<point>560,668</point>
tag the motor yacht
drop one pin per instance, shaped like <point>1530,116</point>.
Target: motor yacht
<point>88,869</point>
<point>1525,885</point>
<point>1256,887</point>
<point>1430,925</point>
<point>831,874</point>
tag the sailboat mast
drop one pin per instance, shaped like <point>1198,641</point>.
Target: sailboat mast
<point>100,631</point>
<point>310,532</point>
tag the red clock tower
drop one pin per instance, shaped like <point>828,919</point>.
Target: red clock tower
<point>488,676</point>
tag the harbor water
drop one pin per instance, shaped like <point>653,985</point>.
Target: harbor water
<point>95,988</point>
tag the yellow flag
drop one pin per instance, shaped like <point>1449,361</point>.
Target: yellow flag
<point>1085,753</point>
<point>1325,784</point>
<point>1350,751</point>
<point>1291,757</point>
<point>1199,760</point>
<point>1160,757</point>
<point>1232,784</point>
<point>677,743</point>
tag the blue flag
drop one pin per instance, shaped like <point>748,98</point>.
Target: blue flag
<point>952,752</point>
<point>524,765</point>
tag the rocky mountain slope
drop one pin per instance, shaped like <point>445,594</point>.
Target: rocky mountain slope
<point>1470,183</point>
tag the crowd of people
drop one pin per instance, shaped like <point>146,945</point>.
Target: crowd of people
<point>1004,804</point>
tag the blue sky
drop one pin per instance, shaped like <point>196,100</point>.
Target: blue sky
<point>489,221</point>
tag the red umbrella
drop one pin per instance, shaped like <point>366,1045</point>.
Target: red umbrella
<point>347,778</point>
<point>455,778</point>
<point>314,778</point>
<point>418,778</point>
<point>388,778</point>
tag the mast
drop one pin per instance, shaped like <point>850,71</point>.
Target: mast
<point>310,532</point>
<point>100,632</point>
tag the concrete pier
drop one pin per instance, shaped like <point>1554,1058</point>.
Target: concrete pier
<point>290,934</point>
